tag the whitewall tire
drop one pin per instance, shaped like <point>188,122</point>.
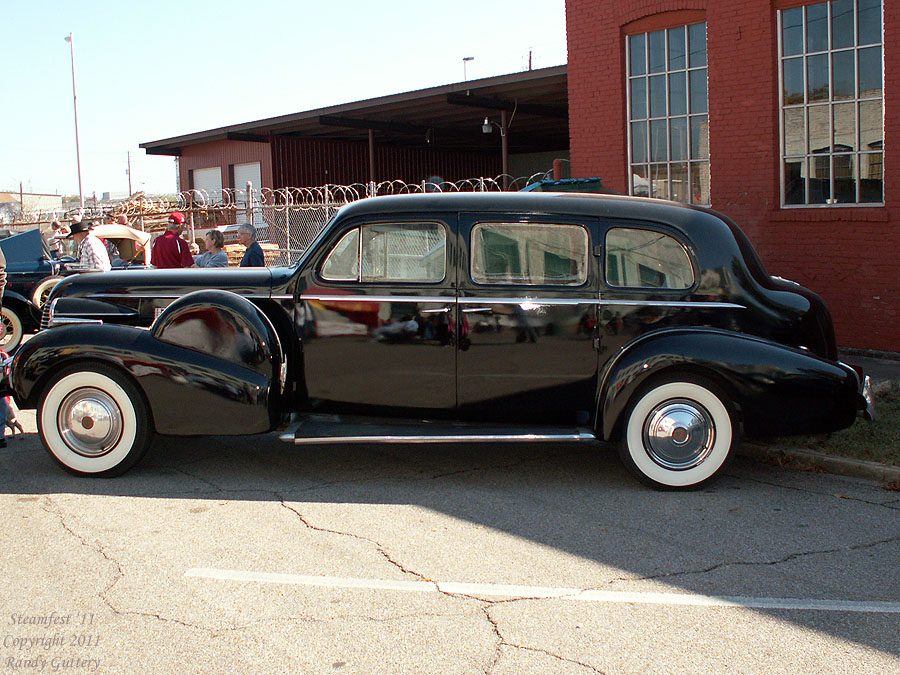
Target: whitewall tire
<point>13,330</point>
<point>94,422</point>
<point>678,434</point>
<point>42,290</point>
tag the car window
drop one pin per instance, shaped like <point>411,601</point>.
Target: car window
<point>389,252</point>
<point>342,263</point>
<point>529,253</point>
<point>646,259</point>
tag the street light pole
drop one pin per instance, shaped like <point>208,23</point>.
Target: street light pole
<point>75,105</point>
<point>466,59</point>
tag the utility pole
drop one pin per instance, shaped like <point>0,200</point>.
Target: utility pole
<point>75,105</point>
<point>128,171</point>
<point>465,60</point>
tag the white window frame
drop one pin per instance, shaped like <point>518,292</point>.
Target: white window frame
<point>687,115</point>
<point>857,152</point>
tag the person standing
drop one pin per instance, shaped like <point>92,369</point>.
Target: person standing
<point>169,250</point>
<point>214,256</point>
<point>53,239</point>
<point>253,256</point>
<point>92,253</point>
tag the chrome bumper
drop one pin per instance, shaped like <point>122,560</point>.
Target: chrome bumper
<point>868,410</point>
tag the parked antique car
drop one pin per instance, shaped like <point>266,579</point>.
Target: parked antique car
<point>31,272</point>
<point>452,318</point>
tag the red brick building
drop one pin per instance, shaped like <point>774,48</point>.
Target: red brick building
<point>770,111</point>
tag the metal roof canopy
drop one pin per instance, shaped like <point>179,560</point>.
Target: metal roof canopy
<point>448,117</point>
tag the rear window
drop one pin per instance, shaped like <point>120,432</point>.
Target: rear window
<point>637,258</point>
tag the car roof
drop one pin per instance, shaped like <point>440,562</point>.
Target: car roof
<point>614,206</point>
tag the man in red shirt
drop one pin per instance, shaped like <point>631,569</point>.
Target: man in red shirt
<point>169,249</point>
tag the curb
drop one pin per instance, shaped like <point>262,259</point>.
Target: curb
<point>811,460</point>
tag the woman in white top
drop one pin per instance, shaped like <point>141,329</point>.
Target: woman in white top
<point>215,255</point>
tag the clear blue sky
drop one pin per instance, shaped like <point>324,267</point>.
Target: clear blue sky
<point>152,70</point>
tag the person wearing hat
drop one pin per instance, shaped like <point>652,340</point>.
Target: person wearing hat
<point>92,253</point>
<point>169,250</point>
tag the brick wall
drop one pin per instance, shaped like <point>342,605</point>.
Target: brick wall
<point>850,256</point>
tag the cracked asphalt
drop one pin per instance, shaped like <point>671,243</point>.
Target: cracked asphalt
<point>113,556</point>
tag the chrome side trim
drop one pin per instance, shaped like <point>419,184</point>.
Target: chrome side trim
<point>672,303</point>
<point>64,321</point>
<point>377,298</point>
<point>163,296</point>
<point>475,438</point>
<point>565,302</point>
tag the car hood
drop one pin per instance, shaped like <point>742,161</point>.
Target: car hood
<point>256,281</point>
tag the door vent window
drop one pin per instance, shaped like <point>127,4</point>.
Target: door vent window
<point>389,252</point>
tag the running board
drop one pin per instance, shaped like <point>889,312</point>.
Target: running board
<point>323,429</point>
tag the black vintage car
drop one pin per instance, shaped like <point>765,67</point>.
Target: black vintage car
<point>452,318</point>
<point>31,272</point>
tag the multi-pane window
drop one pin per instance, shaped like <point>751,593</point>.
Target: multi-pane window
<point>668,114</point>
<point>389,252</point>
<point>832,103</point>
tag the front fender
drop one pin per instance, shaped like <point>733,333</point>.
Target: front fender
<point>777,389</point>
<point>228,386</point>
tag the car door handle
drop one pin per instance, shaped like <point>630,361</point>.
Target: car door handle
<point>472,310</point>
<point>441,310</point>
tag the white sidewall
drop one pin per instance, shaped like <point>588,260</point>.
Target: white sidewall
<point>721,447</point>
<point>53,439</point>
<point>13,337</point>
<point>42,288</point>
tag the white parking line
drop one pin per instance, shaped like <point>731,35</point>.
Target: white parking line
<point>575,594</point>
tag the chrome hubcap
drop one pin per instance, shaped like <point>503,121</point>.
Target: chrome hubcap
<point>679,434</point>
<point>90,422</point>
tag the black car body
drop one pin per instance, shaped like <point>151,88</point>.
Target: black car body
<point>465,317</point>
<point>31,273</point>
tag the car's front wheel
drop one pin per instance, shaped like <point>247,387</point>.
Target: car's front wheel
<point>12,330</point>
<point>678,434</point>
<point>94,421</point>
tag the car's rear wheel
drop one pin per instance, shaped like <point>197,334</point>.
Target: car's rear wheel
<point>94,421</point>
<point>12,329</point>
<point>678,434</point>
<point>42,291</point>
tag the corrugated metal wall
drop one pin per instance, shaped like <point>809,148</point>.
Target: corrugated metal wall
<point>224,154</point>
<point>301,162</point>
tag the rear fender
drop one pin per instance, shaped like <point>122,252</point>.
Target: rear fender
<point>775,389</point>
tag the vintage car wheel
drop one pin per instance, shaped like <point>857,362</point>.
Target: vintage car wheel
<point>94,421</point>
<point>42,290</point>
<point>12,330</point>
<point>678,434</point>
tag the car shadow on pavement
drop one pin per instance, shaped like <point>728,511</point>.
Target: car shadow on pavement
<point>758,531</point>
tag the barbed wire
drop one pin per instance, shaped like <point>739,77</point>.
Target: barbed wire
<point>141,207</point>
